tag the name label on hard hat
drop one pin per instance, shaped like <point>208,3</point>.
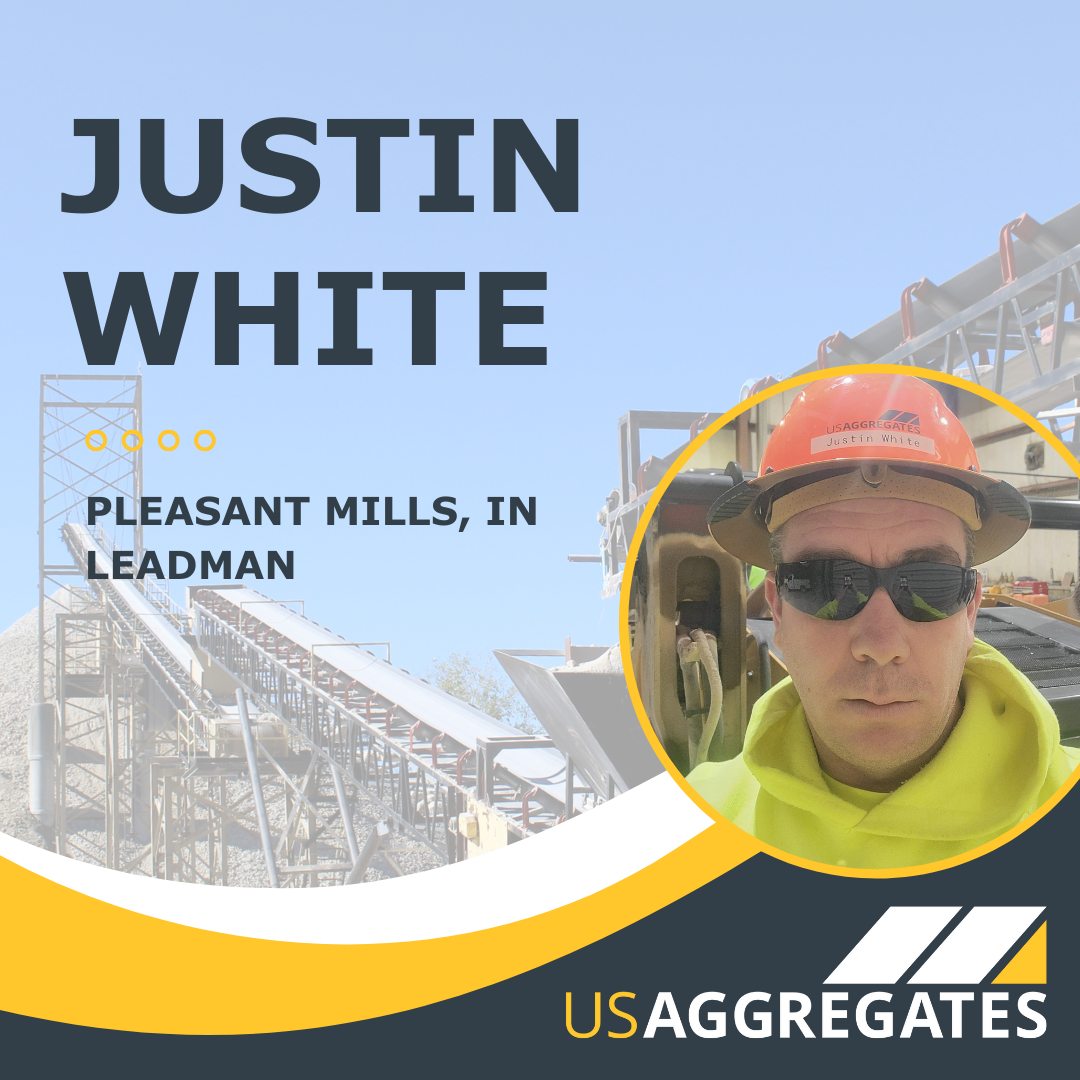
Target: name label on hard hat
<point>896,439</point>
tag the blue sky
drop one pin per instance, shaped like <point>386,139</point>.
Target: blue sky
<point>752,179</point>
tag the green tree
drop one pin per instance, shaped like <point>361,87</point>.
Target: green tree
<point>484,686</point>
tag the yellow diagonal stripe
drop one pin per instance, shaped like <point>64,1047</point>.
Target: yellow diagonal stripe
<point>1029,964</point>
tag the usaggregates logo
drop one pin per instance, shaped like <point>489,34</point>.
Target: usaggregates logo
<point>938,964</point>
<point>891,420</point>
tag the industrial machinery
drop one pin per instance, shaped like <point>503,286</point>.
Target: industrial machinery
<point>699,663</point>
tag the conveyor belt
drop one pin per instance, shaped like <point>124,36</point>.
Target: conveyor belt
<point>543,768</point>
<point>179,666</point>
<point>1053,665</point>
<point>1044,661</point>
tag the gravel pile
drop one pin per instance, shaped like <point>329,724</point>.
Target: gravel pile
<point>247,867</point>
<point>18,688</point>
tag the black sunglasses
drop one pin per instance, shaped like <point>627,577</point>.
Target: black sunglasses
<point>841,588</point>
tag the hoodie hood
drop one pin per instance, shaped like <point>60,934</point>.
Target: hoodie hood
<point>1002,760</point>
<point>989,771</point>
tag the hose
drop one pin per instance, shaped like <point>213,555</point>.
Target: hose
<point>700,648</point>
<point>714,721</point>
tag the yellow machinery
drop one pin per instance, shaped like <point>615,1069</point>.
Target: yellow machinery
<point>698,667</point>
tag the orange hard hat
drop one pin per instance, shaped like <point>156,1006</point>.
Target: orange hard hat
<point>868,436</point>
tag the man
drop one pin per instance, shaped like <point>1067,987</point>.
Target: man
<point>899,739</point>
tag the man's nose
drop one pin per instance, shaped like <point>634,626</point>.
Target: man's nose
<point>879,632</point>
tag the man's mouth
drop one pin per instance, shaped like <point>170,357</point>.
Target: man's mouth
<point>879,706</point>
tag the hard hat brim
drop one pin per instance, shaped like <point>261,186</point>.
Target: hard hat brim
<point>738,519</point>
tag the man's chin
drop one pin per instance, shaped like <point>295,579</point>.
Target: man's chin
<point>881,740</point>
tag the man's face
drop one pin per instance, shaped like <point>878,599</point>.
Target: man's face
<point>880,692</point>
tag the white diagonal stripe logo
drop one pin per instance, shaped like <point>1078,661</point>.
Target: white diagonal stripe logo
<point>893,944</point>
<point>974,948</point>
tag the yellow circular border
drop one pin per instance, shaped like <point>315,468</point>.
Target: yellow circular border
<point>123,441</point>
<point>624,614</point>
<point>175,435</point>
<point>205,431</point>
<point>104,439</point>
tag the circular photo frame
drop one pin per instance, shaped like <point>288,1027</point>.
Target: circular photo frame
<point>851,648</point>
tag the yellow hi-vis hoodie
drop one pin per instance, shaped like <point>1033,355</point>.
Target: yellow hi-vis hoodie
<point>1001,762</point>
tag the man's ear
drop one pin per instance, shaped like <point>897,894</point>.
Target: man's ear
<point>772,597</point>
<point>972,610</point>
